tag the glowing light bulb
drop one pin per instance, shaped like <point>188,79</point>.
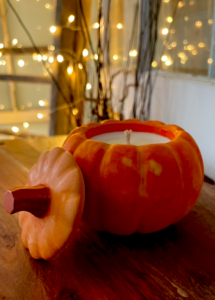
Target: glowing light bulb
<point>51,59</point>
<point>180,4</point>
<point>96,25</point>
<point>69,70</point>
<point>154,64</point>
<point>85,52</point>
<point>39,116</point>
<point>53,29</point>
<point>134,53</point>
<point>165,31</point>
<point>194,52</point>
<point>60,58</point>
<point>186,18</point>
<point>201,45</point>
<point>15,129</point>
<point>51,47</point>
<point>174,44</point>
<point>210,61</point>
<point>119,26</point>
<point>75,111</point>
<point>164,58</point>
<point>0,54</point>
<point>41,103</point>
<point>210,21</point>
<point>21,63</point>
<point>34,56</point>
<point>14,42</point>
<point>183,61</point>
<point>71,18</point>
<point>80,66</point>
<point>45,57</point>
<point>48,6</point>
<point>25,124</point>
<point>96,56</point>
<point>1,46</point>
<point>39,57</point>
<point>115,57</point>
<point>198,24</point>
<point>182,55</point>
<point>169,62</point>
<point>190,47</point>
<point>169,19</point>
<point>3,62</point>
<point>88,86</point>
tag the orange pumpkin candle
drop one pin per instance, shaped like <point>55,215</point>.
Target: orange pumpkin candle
<point>136,188</point>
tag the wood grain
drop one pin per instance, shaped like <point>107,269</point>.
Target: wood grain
<point>175,263</point>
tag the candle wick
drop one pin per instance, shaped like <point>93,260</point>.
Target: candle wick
<point>128,136</point>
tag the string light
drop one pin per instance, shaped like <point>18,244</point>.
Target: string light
<point>96,25</point>
<point>119,26</point>
<point>39,57</point>
<point>174,44</point>
<point>180,4</point>
<point>210,61</point>
<point>3,62</point>
<point>75,111</point>
<point>69,70</point>
<point>60,58</point>
<point>185,47</point>
<point>165,31</point>
<point>115,57</point>
<point>164,58</point>
<point>45,57</point>
<point>51,59</point>
<point>201,45</point>
<point>85,52</point>
<point>21,63</point>
<point>190,47</point>
<point>1,46</point>
<point>186,18</point>
<point>0,54</point>
<point>39,116</point>
<point>1,106</point>
<point>51,47</point>
<point>169,62</point>
<point>25,124</point>
<point>34,56</point>
<point>133,53</point>
<point>182,55</point>
<point>96,56</point>
<point>198,24</point>
<point>15,129</point>
<point>53,29</point>
<point>154,64</point>
<point>80,66</point>
<point>71,18</point>
<point>169,19</point>
<point>88,86</point>
<point>183,61</point>
<point>194,52</point>
<point>14,42</point>
<point>210,21</point>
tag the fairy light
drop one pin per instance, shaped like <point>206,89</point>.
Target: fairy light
<point>45,57</point>
<point>164,58</point>
<point>85,52</point>
<point>194,52</point>
<point>80,66</point>
<point>186,18</point>
<point>154,64</point>
<point>174,44</point>
<point>88,86</point>
<point>185,47</point>
<point>210,61</point>
<point>3,62</point>
<point>69,70</point>
<point>185,42</point>
<point>210,21</point>
<point>53,29</point>
<point>133,53</point>
<point>190,47</point>
<point>119,26</point>
<point>192,2</point>
<point>180,4</point>
<point>165,31</point>
<point>198,24</point>
<point>21,63</point>
<point>169,62</point>
<point>60,58</point>
<point>14,42</point>
<point>75,111</point>
<point>39,116</point>
<point>51,59</point>
<point>39,57</point>
<point>51,47</point>
<point>96,56</point>
<point>182,55</point>
<point>115,57</point>
<point>96,25</point>
<point>15,129</point>
<point>71,18</point>
<point>25,124</point>
<point>48,6</point>
<point>0,54</point>
<point>34,56</point>
<point>169,19</point>
<point>201,45</point>
<point>1,45</point>
<point>183,61</point>
<point>1,106</point>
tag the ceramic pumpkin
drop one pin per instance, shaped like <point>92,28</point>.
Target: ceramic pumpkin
<point>136,188</point>
<point>55,194</point>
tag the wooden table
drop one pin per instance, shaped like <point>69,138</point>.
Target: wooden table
<point>175,263</point>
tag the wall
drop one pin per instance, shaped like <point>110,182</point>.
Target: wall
<point>188,102</point>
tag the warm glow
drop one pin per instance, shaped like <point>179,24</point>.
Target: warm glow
<point>42,103</point>
<point>154,64</point>
<point>51,47</point>
<point>198,24</point>
<point>169,62</point>
<point>14,42</point>
<point>1,46</point>
<point>60,58</point>
<point>186,18</point>
<point>96,56</point>
<point>165,31</point>
<point>1,106</point>
<point>201,45</point>
<point>75,111</point>
<point>45,57</point>
<point>210,21</point>
<point>174,44</point>
<point>119,26</point>
<point>88,86</point>
<point>69,70</point>
<point>51,59</point>
<point>169,19</point>
<point>164,58</point>
<point>48,6</point>
<point>194,52</point>
<point>0,54</point>
<point>115,57</point>
<point>80,66</point>
<point>21,63</point>
<point>39,116</point>
<point>180,4</point>
<point>85,52</point>
<point>185,42</point>
<point>39,57</point>
<point>166,1</point>
<point>53,29</point>
<point>133,53</point>
<point>15,129</point>
<point>192,2</point>
<point>185,47</point>
<point>190,47</point>
<point>25,124</point>
<point>96,25</point>
<point>71,18</point>
<point>34,56</point>
<point>183,61</point>
<point>210,61</point>
<point>182,55</point>
<point>3,62</point>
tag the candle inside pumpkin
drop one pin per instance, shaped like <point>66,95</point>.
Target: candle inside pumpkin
<point>136,138</point>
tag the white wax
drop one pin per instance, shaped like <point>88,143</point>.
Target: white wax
<point>137,138</point>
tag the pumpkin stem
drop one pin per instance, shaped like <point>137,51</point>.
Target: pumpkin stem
<point>128,136</point>
<point>34,199</point>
